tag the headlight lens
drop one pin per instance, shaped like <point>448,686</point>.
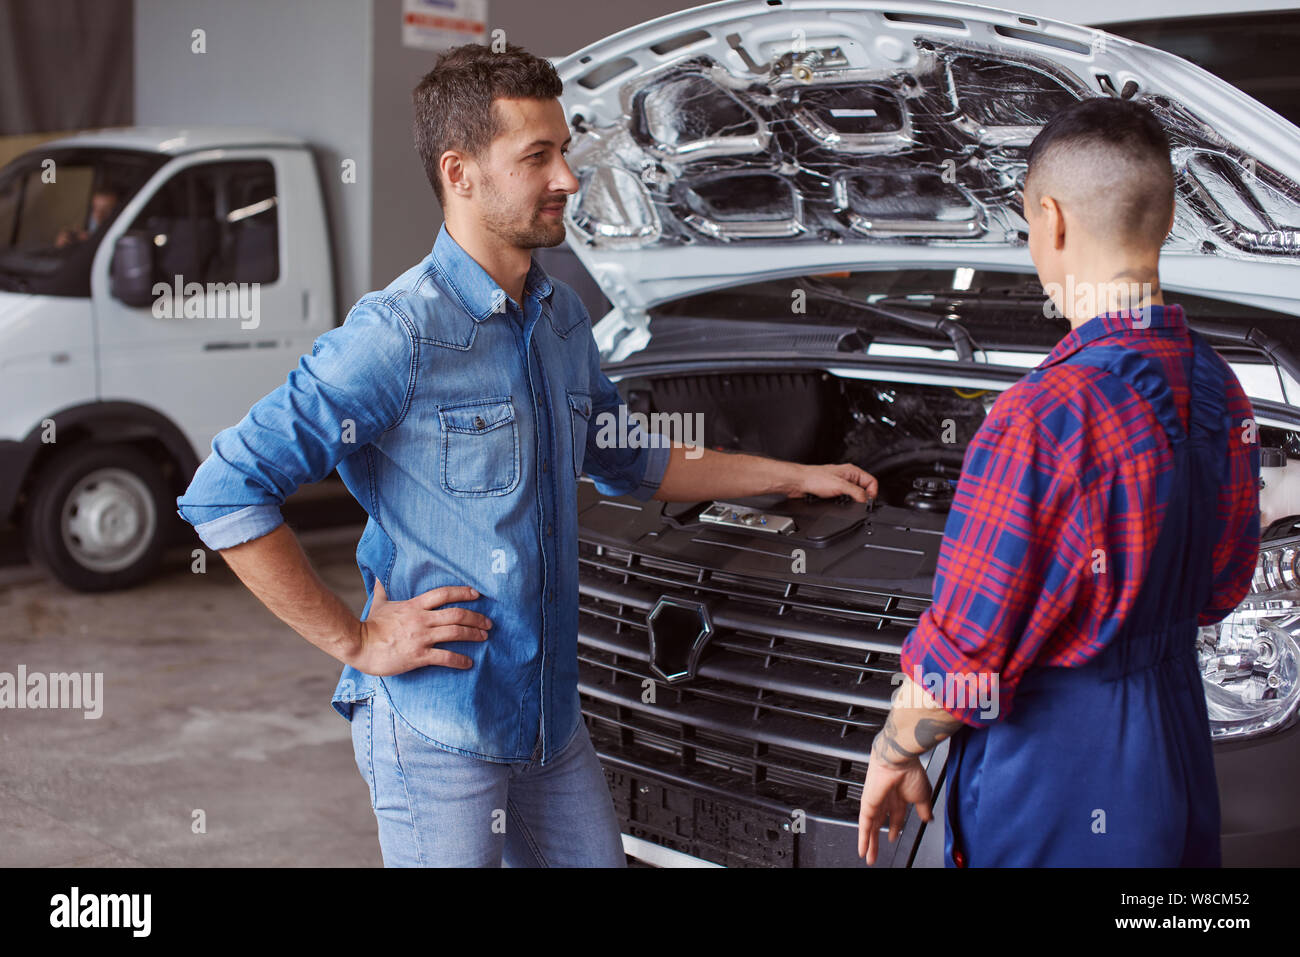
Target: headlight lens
<point>1250,661</point>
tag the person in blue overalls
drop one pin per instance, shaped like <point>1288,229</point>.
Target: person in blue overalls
<point>1108,506</point>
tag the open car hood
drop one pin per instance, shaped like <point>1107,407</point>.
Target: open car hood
<point>763,138</point>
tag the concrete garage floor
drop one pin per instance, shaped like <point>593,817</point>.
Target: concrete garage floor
<point>209,702</point>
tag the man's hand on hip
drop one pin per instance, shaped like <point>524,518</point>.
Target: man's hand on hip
<point>399,636</point>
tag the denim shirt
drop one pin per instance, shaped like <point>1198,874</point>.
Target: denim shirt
<point>460,424</point>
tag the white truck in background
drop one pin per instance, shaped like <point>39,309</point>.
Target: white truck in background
<point>112,388</point>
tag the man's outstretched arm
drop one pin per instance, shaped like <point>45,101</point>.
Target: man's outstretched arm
<point>649,465</point>
<point>713,474</point>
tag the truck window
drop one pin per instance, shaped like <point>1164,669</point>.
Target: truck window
<point>55,206</point>
<point>56,217</point>
<point>215,223</point>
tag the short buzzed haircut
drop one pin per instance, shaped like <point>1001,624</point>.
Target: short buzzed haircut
<point>1106,162</point>
<point>453,101</point>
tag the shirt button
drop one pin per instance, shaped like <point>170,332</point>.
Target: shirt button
<point>550,530</point>
<point>544,468</point>
<point>478,422</point>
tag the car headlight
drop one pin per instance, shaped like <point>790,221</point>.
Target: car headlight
<point>1250,661</point>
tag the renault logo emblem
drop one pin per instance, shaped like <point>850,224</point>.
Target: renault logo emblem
<point>679,632</point>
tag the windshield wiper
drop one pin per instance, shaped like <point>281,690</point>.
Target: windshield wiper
<point>916,321</point>
<point>989,296</point>
<point>1278,352</point>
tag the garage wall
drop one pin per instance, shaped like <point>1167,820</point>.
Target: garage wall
<point>64,65</point>
<point>299,66</point>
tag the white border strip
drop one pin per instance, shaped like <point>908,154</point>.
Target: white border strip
<point>660,856</point>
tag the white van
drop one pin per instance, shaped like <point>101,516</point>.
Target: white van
<point>115,373</point>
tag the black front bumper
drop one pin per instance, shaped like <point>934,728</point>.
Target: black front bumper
<point>705,815</point>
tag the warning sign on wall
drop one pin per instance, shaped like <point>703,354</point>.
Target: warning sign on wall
<point>439,24</point>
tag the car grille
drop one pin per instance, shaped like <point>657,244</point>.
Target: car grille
<point>793,687</point>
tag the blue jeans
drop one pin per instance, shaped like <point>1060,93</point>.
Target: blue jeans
<point>438,808</point>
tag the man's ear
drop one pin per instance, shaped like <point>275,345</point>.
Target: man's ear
<point>454,169</point>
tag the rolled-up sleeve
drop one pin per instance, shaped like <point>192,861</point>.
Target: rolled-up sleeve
<point>622,458</point>
<point>1015,545</point>
<point>353,386</point>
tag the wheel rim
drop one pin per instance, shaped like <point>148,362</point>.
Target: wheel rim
<point>108,520</point>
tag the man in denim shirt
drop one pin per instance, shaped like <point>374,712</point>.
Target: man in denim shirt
<point>456,405</point>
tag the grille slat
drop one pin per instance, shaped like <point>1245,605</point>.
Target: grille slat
<point>708,715</point>
<point>844,778</point>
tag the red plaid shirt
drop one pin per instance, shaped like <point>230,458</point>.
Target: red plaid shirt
<point>1058,470</point>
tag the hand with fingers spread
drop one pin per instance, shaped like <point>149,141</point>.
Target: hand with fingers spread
<point>399,636</point>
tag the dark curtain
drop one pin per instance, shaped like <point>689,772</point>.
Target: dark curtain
<point>66,65</point>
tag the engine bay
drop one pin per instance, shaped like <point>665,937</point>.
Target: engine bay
<point>910,437</point>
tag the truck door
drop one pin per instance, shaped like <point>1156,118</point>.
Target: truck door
<point>219,333</point>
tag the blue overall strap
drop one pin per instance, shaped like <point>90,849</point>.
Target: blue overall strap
<point>1209,417</point>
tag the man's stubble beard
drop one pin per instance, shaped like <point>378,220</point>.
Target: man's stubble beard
<point>502,220</point>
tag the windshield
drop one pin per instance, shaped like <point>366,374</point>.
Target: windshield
<point>55,206</point>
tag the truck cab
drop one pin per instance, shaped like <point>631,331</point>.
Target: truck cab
<point>148,297</point>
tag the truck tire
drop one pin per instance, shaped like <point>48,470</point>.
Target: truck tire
<point>95,519</point>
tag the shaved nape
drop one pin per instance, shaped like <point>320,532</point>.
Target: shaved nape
<point>1114,195</point>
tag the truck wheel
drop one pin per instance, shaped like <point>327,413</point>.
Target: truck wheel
<point>94,520</point>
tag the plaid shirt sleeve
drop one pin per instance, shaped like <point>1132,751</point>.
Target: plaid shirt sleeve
<point>1238,548</point>
<point>1015,548</point>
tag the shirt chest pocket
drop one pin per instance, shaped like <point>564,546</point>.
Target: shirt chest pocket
<point>480,447</point>
<point>579,417</point>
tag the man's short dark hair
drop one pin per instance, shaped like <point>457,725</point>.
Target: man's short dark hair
<point>1106,161</point>
<point>453,101</point>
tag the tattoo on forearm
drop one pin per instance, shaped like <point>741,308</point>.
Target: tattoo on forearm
<point>928,733</point>
<point>888,741</point>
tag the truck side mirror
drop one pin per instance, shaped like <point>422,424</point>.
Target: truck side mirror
<point>131,271</point>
